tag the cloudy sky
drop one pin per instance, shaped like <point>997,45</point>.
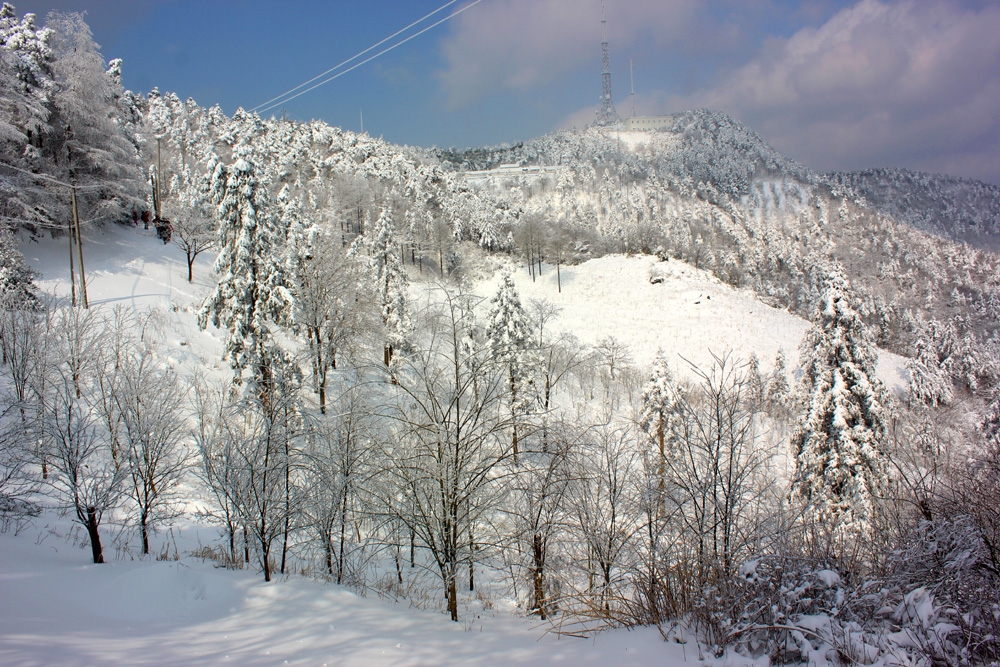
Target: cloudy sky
<point>834,85</point>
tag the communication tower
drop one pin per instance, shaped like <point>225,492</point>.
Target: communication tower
<point>607,115</point>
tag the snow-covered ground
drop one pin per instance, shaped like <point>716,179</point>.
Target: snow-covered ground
<point>56,608</point>
<point>689,313</point>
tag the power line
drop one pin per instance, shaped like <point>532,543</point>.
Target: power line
<point>354,57</point>
<point>367,60</point>
<point>43,224</point>
<point>54,180</point>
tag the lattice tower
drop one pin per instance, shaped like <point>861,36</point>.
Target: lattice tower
<point>607,115</point>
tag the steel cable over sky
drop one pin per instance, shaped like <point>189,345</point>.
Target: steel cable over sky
<point>354,57</point>
<point>282,99</point>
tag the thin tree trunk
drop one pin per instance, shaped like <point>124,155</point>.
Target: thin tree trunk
<point>95,537</point>
<point>452,593</point>
<point>343,533</point>
<point>538,572</point>
<point>472,561</point>
<point>144,532</point>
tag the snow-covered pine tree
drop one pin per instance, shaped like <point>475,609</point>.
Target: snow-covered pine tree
<point>778,392</point>
<point>385,270</point>
<point>509,336</point>
<point>90,143</point>
<point>26,88</point>
<point>254,290</point>
<point>991,423</point>
<point>929,384</point>
<point>659,403</point>
<point>757,387</point>
<point>17,288</point>
<point>839,466</point>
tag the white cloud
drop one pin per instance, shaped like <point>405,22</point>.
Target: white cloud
<point>913,83</point>
<point>516,45</point>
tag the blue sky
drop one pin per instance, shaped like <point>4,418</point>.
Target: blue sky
<point>833,84</point>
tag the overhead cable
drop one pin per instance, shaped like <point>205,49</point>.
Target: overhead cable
<point>354,57</point>
<point>369,59</point>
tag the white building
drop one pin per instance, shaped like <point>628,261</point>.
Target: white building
<point>639,123</point>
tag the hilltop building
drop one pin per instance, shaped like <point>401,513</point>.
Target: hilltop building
<point>639,123</point>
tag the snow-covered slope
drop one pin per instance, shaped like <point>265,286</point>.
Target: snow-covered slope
<point>687,312</point>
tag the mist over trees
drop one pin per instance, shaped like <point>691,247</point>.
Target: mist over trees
<point>383,426</point>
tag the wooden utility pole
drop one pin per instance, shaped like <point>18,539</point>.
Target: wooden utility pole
<point>159,175</point>
<point>79,248</point>
<point>71,233</point>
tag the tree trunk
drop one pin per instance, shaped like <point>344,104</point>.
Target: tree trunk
<point>144,533</point>
<point>328,549</point>
<point>232,546</point>
<point>472,561</point>
<point>95,537</point>
<point>265,555</point>
<point>343,534</point>
<point>452,593</point>
<point>538,574</point>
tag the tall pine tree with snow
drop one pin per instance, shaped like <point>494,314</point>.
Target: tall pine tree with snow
<point>380,254</point>
<point>17,287</point>
<point>90,140</point>
<point>839,466</point>
<point>509,337</point>
<point>929,384</point>
<point>255,289</point>
<point>659,404</point>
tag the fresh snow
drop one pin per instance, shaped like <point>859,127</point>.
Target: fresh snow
<point>690,314</point>
<point>60,609</point>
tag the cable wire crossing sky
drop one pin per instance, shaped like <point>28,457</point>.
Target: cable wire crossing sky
<point>281,99</point>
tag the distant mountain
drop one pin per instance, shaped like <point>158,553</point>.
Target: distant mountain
<point>955,208</point>
<point>710,191</point>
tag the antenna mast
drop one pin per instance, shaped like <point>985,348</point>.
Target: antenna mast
<point>631,76</point>
<point>607,115</point>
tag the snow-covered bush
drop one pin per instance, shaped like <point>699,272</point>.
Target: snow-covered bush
<point>779,606</point>
<point>934,601</point>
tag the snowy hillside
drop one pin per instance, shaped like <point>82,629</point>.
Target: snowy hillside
<point>688,313</point>
<point>62,610</point>
<point>955,208</point>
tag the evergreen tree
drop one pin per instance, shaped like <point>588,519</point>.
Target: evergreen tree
<point>17,287</point>
<point>659,404</point>
<point>991,423</point>
<point>757,387</point>
<point>509,336</point>
<point>385,270</point>
<point>778,392</point>
<point>90,144</point>
<point>928,384</point>
<point>254,289</point>
<point>840,470</point>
